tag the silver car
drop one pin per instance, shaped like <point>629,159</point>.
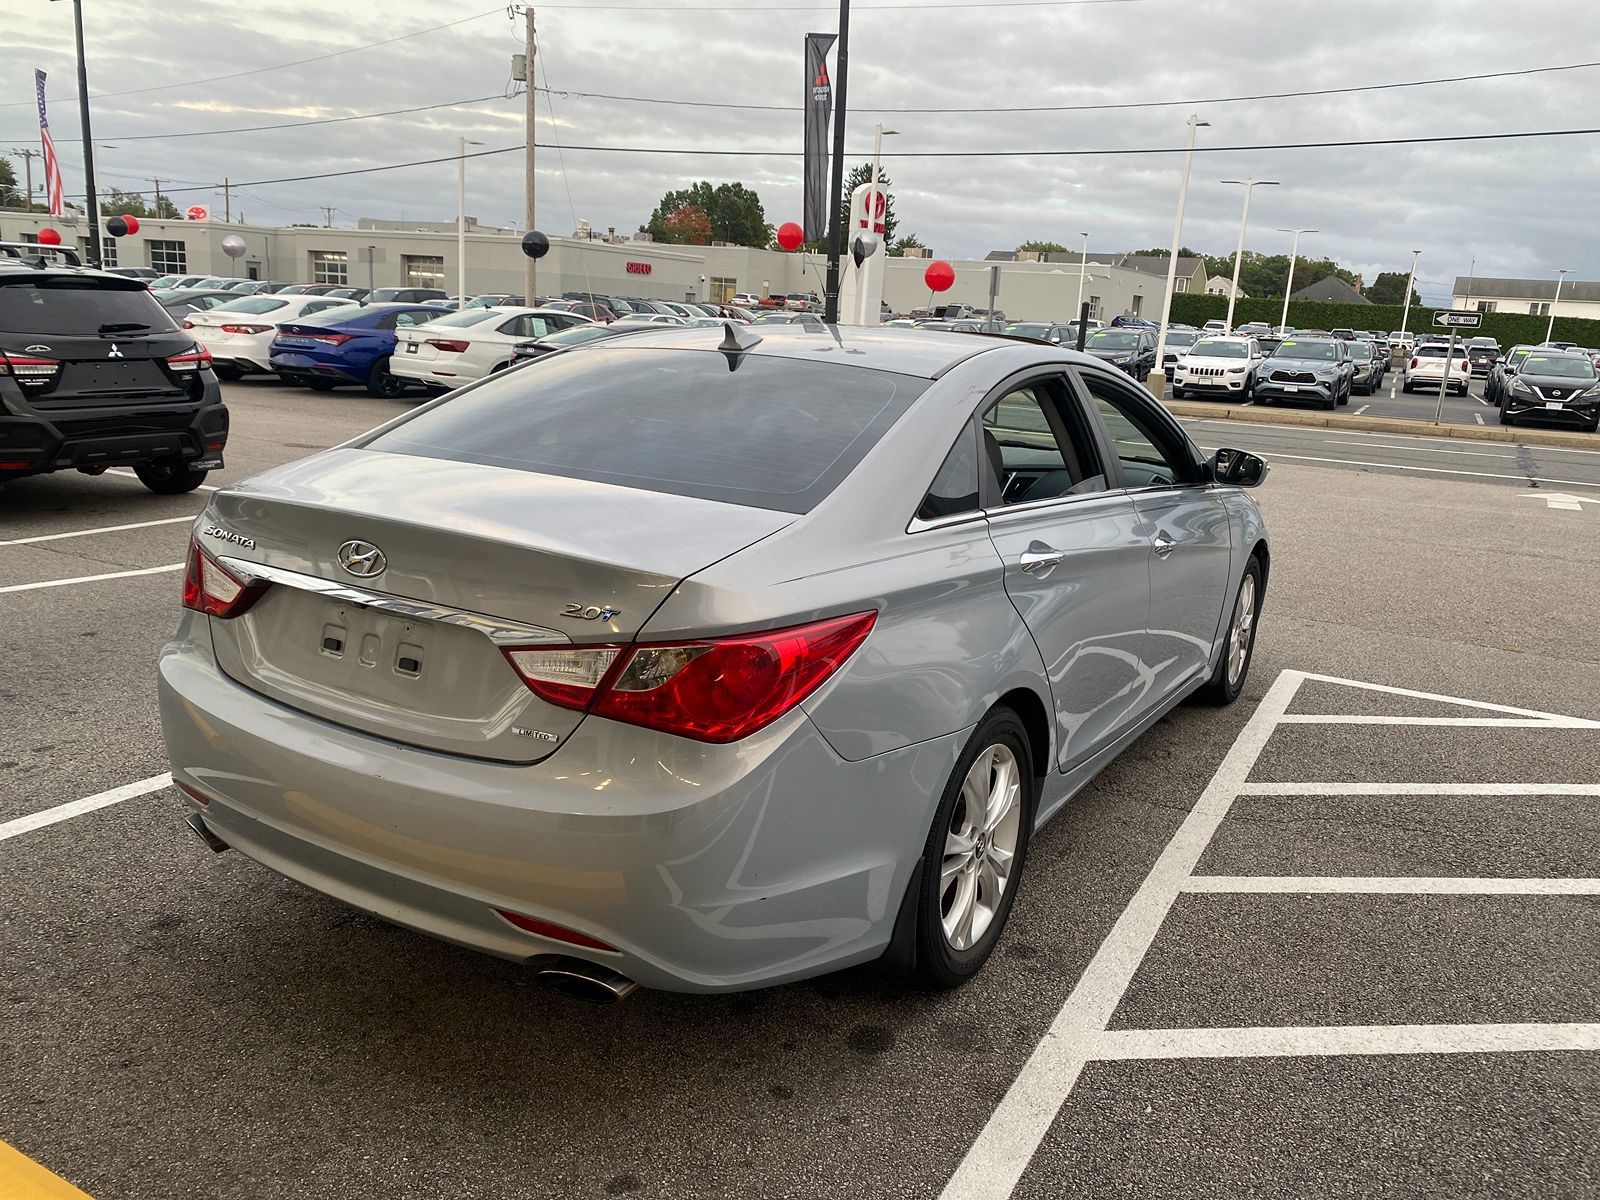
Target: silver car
<point>708,659</point>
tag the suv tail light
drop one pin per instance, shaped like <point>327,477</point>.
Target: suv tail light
<point>247,329</point>
<point>210,588</point>
<point>191,359</point>
<point>714,690</point>
<point>1413,364</point>
<point>27,369</point>
<point>449,347</point>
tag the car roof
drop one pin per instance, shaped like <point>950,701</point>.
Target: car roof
<point>1230,337</point>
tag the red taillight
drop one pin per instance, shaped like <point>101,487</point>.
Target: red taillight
<point>193,793</point>
<point>28,369</point>
<point>188,325</point>
<point>449,347</point>
<point>246,328</point>
<point>560,933</point>
<point>331,339</point>
<point>209,588</point>
<point>716,690</point>
<point>1413,364</point>
<point>190,360</point>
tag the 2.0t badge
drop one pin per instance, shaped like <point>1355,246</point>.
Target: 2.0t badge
<point>362,559</point>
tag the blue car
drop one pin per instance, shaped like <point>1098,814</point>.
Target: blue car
<point>345,345</point>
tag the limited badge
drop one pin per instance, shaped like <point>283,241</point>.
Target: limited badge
<point>206,464</point>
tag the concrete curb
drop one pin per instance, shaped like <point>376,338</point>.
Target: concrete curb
<point>1395,425</point>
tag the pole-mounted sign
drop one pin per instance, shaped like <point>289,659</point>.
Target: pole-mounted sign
<point>1458,320</point>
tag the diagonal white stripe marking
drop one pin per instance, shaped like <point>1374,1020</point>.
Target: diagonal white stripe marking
<point>1313,788</point>
<point>1377,885</point>
<point>76,808</point>
<point>1460,722</point>
<point>77,533</point>
<point>1296,1041</point>
<point>1416,695</point>
<point>1014,1130</point>
<point>55,583</point>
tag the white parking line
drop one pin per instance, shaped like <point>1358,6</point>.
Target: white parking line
<point>77,533</point>
<point>1079,1035</point>
<point>1465,722</point>
<point>127,474</point>
<point>1352,462</point>
<point>1362,409</point>
<point>1267,428</point>
<point>1423,449</point>
<point>55,583</point>
<point>76,808</point>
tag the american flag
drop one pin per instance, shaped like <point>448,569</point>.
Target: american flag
<point>52,165</point>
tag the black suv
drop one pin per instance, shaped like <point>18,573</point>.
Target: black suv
<point>95,374</point>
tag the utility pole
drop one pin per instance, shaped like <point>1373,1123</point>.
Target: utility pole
<point>530,268</point>
<point>327,215</point>
<point>157,182</point>
<point>227,202</point>
<point>90,203</point>
<point>836,231</point>
<point>28,155</point>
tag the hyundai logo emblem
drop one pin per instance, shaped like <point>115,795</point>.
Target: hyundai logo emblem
<point>362,559</point>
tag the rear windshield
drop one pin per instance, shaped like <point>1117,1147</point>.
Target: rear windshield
<point>253,304</point>
<point>74,307</point>
<point>467,316</point>
<point>774,433</point>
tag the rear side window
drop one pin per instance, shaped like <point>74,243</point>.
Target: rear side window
<point>773,433</point>
<point>77,307</point>
<point>955,487</point>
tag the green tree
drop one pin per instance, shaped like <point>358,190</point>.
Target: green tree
<point>10,193</point>
<point>909,242</point>
<point>856,178</point>
<point>734,211</point>
<point>1390,288</point>
<point>1042,248</point>
<point>116,202</point>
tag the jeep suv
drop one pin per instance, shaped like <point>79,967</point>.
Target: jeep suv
<point>95,374</point>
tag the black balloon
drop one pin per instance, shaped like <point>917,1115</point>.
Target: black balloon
<point>535,244</point>
<point>117,227</point>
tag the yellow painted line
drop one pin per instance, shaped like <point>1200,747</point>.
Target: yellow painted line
<point>23,1179</point>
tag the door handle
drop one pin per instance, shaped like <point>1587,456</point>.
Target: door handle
<point>1034,560</point>
<point>1164,545</point>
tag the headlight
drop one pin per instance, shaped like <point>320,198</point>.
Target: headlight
<point>1123,361</point>
<point>1518,386</point>
<point>1592,390</point>
<point>1235,370</point>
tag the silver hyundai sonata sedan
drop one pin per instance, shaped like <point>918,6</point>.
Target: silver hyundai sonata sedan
<point>712,658</point>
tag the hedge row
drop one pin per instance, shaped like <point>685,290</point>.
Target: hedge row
<point>1506,328</point>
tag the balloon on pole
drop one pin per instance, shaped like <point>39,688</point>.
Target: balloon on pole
<point>49,237</point>
<point>790,236</point>
<point>122,225</point>
<point>535,245</point>
<point>940,276</point>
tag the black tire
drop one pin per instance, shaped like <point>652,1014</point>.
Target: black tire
<point>226,372</point>
<point>1330,404</point>
<point>1406,386</point>
<point>381,383</point>
<point>169,478</point>
<point>1220,689</point>
<point>321,385</point>
<point>938,964</point>
<point>1594,425</point>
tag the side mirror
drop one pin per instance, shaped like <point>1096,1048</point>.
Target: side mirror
<point>1238,468</point>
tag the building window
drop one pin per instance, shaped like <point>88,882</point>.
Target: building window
<point>423,270</point>
<point>1539,308</point>
<point>722,289</point>
<point>1485,305</point>
<point>330,266</point>
<point>1183,285</point>
<point>108,250</point>
<point>1137,306</point>
<point>1094,308</point>
<point>170,258</point>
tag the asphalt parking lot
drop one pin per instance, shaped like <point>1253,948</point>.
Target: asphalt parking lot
<point>1336,940</point>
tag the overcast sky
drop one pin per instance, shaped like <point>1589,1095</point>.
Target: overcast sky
<point>1521,208</point>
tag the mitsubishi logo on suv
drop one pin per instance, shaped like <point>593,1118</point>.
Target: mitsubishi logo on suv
<point>362,559</point>
<point>115,353</point>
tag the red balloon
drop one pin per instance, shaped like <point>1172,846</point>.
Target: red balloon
<point>940,276</point>
<point>131,221</point>
<point>790,235</point>
<point>49,237</point>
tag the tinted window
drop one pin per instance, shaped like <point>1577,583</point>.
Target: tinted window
<point>467,316</point>
<point>1114,339</point>
<point>772,434</point>
<point>1031,451</point>
<point>1150,454</point>
<point>1560,365</point>
<point>1319,351</point>
<point>955,487</point>
<point>1216,348</point>
<point>77,307</point>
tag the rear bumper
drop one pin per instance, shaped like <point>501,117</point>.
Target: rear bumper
<point>428,372</point>
<point>37,443</point>
<point>711,868</point>
<point>302,366</point>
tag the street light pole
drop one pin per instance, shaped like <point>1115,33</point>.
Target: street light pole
<point>1411,281</point>
<point>1083,269</point>
<point>1550,329</point>
<point>461,218</point>
<point>1158,376</point>
<point>1249,186</point>
<point>1288,285</point>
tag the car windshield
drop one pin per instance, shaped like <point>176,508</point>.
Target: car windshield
<point>79,307</point>
<point>1216,348</point>
<point>467,316</point>
<point>1181,338</point>
<point>673,421</point>
<point>1318,351</point>
<point>1361,350</point>
<point>1562,366</point>
<point>252,304</point>
<point>577,335</point>
<point>1113,339</point>
<point>1028,330</point>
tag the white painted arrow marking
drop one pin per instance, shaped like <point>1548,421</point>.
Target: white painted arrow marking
<point>1563,500</point>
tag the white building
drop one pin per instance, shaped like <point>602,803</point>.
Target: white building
<point>1579,298</point>
<point>1218,286</point>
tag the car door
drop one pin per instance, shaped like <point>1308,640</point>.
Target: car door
<point>1076,561</point>
<point>1187,526</point>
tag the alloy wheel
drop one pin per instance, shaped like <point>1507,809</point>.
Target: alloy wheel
<point>980,847</point>
<point>1244,620</point>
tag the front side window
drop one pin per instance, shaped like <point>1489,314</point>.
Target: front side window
<point>1032,450</point>
<point>1150,454</point>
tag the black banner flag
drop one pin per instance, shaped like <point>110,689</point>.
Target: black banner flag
<point>819,108</point>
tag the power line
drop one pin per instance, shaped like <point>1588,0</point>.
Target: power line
<point>1034,108</point>
<point>1097,153</point>
<point>858,8</point>
<point>299,62</point>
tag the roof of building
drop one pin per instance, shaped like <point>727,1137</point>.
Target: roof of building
<point>1526,289</point>
<point>1148,264</point>
<point>1156,264</point>
<point>1331,289</point>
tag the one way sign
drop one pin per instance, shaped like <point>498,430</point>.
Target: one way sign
<point>1458,320</point>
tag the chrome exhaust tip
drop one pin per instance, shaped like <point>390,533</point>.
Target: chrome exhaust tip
<point>203,831</point>
<point>582,980</point>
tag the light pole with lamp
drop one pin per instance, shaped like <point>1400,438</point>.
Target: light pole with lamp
<point>1550,329</point>
<point>1249,186</point>
<point>1411,284</point>
<point>1157,381</point>
<point>1288,285</point>
<point>461,222</point>
<point>1083,269</point>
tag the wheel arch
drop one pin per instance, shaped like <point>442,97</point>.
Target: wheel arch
<point>1035,718</point>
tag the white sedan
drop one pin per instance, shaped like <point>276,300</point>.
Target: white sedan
<point>240,332</point>
<point>467,345</point>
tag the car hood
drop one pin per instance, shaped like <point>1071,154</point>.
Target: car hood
<point>1194,360</point>
<point>1301,364</point>
<point>1111,352</point>
<point>1551,384</point>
